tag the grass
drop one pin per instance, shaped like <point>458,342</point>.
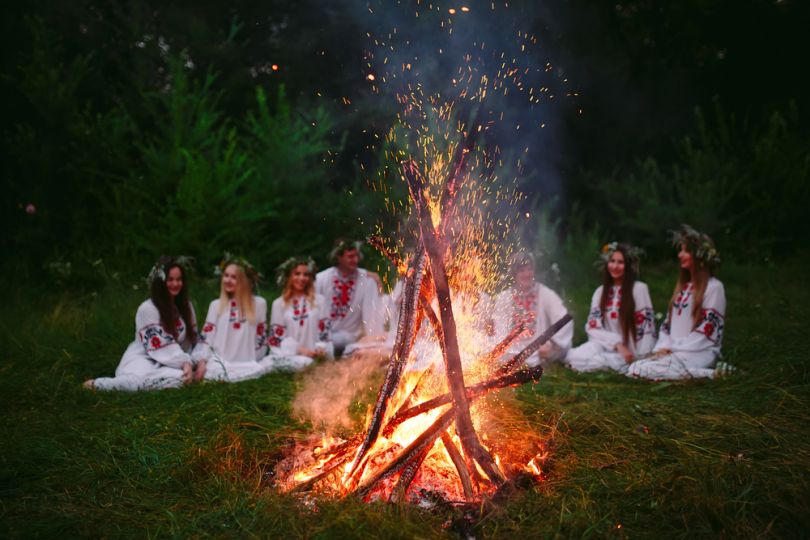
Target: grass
<point>719,459</point>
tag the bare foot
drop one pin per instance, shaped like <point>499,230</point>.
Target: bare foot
<point>90,384</point>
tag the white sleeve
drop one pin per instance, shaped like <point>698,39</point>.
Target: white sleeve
<point>371,306</point>
<point>708,333</point>
<point>324,342</point>
<point>644,318</point>
<point>261,327</point>
<point>595,328</point>
<point>280,343</point>
<point>158,344</point>
<point>202,350</point>
<point>556,310</point>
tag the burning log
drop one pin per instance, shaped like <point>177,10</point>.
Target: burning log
<point>406,332</point>
<point>425,440</point>
<point>477,390</point>
<point>530,349</point>
<point>452,357</point>
<point>407,476</point>
<point>461,466</point>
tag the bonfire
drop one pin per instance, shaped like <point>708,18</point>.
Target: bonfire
<point>425,438</point>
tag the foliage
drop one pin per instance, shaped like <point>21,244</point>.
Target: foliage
<point>162,169</point>
<point>745,183</point>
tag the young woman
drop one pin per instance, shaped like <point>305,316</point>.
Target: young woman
<point>165,328</point>
<point>692,333</point>
<point>534,306</point>
<point>620,326</point>
<point>233,338</point>
<point>299,319</point>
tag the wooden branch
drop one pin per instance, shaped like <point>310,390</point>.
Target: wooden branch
<point>512,379</point>
<point>523,355</point>
<point>452,357</point>
<point>406,331</point>
<point>407,476</point>
<point>452,184</point>
<point>426,439</point>
<point>461,467</point>
<point>503,346</point>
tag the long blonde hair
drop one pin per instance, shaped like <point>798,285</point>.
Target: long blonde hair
<point>309,291</point>
<point>243,295</point>
<point>699,278</point>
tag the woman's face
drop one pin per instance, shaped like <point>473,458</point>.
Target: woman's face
<point>685,258</point>
<point>299,278</point>
<point>229,279</point>
<point>615,266</point>
<point>174,281</point>
<point>524,277</point>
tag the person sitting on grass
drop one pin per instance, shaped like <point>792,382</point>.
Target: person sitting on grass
<point>620,326</point>
<point>165,329</point>
<point>299,319</point>
<point>534,306</point>
<point>234,338</point>
<point>353,294</point>
<point>692,333</point>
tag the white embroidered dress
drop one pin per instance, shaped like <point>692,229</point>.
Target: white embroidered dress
<point>354,305</point>
<point>230,344</point>
<point>538,308</point>
<point>298,323</point>
<point>155,359</point>
<point>604,331</point>
<point>694,347</point>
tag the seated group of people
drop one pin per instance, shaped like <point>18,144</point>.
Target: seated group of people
<point>342,310</point>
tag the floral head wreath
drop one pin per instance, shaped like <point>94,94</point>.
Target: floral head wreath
<point>158,270</point>
<point>701,245</point>
<point>250,271</point>
<point>634,253</point>
<point>283,270</point>
<point>345,245</point>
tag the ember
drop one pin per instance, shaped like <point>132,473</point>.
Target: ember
<point>422,440</point>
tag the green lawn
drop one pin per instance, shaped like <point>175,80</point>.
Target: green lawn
<point>726,458</point>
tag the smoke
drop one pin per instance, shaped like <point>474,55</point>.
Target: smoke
<point>329,390</point>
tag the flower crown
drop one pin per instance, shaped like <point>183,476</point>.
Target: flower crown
<point>284,269</point>
<point>158,270</point>
<point>634,253</point>
<point>250,271</point>
<point>345,245</point>
<point>701,243</point>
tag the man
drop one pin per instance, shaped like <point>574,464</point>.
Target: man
<point>354,295</point>
<point>535,306</point>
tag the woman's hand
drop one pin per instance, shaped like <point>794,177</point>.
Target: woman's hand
<point>187,372</point>
<point>661,352</point>
<point>624,352</point>
<point>306,352</point>
<point>199,371</point>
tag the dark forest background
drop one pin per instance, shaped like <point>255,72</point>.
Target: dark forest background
<point>138,128</point>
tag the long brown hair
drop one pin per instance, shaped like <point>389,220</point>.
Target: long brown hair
<point>699,280</point>
<point>627,308</point>
<point>170,308</point>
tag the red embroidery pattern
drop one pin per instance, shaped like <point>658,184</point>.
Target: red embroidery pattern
<point>342,294</point>
<point>524,309</point>
<point>712,325</point>
<point>154,337</point>
<point>276,334</point>
<point>300,310</point>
